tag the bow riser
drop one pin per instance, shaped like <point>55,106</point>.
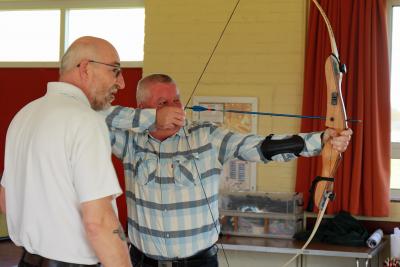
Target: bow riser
<point>336,119</point>
<point>335,110</point>
<point>330,158</point>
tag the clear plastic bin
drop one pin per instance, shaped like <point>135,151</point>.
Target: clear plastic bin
<point>260,214</point>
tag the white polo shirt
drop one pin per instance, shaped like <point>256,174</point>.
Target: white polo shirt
<point>57,156</point>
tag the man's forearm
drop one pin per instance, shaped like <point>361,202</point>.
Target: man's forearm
<point>139,120</point>
<point>109,246</point>
<point>125,118</point>
<point>106,235</point>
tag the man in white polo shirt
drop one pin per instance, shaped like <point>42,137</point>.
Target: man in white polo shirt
<point>59,185</point>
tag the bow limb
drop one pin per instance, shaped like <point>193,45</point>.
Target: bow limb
<point>329,27</point>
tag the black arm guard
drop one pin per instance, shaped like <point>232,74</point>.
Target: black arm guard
<point>293,144</point>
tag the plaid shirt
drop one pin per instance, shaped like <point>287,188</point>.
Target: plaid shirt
<point>168,214</point>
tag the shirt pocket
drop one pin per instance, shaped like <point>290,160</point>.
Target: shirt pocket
<point>146,168</point>
<point>186,170</point>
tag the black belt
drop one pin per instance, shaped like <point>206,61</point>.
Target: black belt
<point>33,260</point>
<point>197,259</point>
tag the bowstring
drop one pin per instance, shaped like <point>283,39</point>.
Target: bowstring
<point>186,135</point>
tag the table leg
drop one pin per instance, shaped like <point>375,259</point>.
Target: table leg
<point>299,260</point>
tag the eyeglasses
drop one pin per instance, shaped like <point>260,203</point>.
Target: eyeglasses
<point>117,68</point>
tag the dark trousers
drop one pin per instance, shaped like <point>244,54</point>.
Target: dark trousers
<point>33,260</point>
<point>205,258</point>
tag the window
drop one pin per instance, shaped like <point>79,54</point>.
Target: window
<point>32,35</point>
<point>395,97</point>
<point>124,28</point>
<point>37,33</point>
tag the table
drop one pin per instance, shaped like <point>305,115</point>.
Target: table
<point>289,246</point>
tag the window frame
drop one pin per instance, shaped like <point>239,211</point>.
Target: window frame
<point>395,146</point>
<point>64,6</point>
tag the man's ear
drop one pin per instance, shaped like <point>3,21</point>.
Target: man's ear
<point>83,69</point>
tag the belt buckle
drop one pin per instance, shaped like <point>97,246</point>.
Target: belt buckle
<point>164,263</point>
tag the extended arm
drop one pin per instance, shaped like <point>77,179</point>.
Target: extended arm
<point>304,144</point>
<point>260,149</point>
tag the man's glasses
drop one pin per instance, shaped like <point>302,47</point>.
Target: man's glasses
<point>117,68</point>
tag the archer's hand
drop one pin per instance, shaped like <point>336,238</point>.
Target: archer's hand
<point>170,118</point>
<point>339,141</point>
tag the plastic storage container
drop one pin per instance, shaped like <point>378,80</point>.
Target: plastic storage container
<point>278,215</point>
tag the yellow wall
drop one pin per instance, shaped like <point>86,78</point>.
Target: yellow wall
<point>261,54</point>
<point>3,226</point>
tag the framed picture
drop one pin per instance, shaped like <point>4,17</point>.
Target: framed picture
<point>237,175</point>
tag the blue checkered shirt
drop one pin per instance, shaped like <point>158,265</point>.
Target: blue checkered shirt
<point>168,214</point>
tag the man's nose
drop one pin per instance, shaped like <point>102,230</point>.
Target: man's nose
<point>120,81</point>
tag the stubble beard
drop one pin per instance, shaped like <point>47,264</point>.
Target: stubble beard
<point>104,102</point>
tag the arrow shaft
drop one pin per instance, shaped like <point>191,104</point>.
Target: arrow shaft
<point>201,109</point>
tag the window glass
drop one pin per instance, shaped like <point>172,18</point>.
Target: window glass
<point>395,75</point>
<point>124,28</point>
<point>395,99</point>
<point>395,174</point>
<point>30,35</point>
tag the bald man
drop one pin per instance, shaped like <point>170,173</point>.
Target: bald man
<point>59,185</point>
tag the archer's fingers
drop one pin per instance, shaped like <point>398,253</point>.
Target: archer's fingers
<point>340,145</point>
<point>331,132</point>
<point>348,132</point>
<point>179,121</point>
<point>341,142</point>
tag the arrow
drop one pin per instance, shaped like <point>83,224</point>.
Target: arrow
<point>201,109</point>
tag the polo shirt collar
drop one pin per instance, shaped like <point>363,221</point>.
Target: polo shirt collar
<point>68,90</point>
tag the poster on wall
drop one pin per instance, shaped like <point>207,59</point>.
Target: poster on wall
<point>237,175</point>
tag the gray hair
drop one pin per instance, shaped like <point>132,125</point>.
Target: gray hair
<point>81,49</point>
<point>142,92</point>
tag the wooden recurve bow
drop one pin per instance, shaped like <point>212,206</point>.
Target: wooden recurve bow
<point>336,119</point>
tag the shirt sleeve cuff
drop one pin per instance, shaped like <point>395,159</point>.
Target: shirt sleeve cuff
<point>313,144</point>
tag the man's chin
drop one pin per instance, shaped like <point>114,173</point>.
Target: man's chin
<point>102,107</point>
